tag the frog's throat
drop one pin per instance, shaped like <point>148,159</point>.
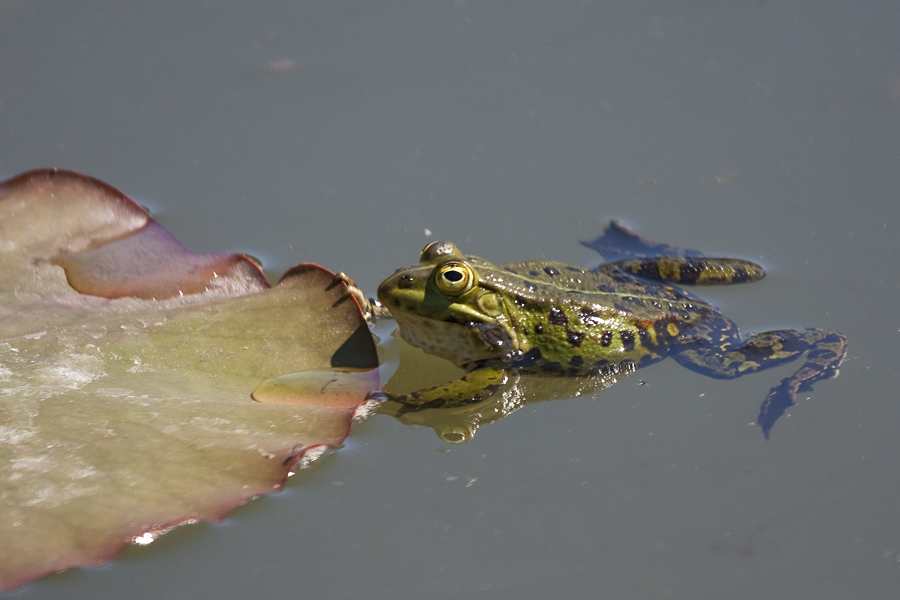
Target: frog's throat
<point>452,341</point>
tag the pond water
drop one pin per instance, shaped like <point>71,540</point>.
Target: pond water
<point>350,135</point>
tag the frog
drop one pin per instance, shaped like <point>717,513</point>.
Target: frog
<point>557,319</point>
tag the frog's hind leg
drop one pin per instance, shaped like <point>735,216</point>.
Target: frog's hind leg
<point>693,270</point>
<point>726,356</point>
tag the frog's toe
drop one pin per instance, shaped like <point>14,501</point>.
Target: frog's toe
<point>372,309</point>
<point>780,398</point>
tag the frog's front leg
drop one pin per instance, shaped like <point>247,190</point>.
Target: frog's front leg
<point>475,386</point>
<point>727,356</point>
<point>371,308</point>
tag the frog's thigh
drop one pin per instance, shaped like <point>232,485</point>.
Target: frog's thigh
<point>475,386</point>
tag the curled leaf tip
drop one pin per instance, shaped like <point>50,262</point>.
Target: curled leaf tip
<point>108,244</point>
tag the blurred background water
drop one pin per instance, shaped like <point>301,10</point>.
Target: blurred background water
<point>351,134</point>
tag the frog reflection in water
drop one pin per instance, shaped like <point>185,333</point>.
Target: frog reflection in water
<point>559,319</point>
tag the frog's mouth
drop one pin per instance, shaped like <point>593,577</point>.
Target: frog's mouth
<point>460,343</point>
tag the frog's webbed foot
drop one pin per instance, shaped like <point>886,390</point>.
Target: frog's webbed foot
<point>473,387</point>
<point>822,362</point>
<point>693,270</point>
<point>618,242</point>
<point>722,359</point>
<point>371,308</point>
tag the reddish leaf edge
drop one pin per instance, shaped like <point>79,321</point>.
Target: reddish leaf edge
<point>148,262</point>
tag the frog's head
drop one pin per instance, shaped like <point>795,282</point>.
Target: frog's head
<point>443,307</point>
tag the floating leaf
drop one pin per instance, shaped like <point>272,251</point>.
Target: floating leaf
<point>122,416</point>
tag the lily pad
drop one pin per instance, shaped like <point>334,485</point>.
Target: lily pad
<point>127,367</point>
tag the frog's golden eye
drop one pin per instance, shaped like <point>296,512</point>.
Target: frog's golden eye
<point>455,278</point>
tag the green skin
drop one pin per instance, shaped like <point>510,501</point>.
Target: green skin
<point>558,319</point>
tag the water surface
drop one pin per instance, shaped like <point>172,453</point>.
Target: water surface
<point>351,135</point>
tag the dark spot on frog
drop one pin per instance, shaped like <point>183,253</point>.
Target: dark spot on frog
<point>539,328</point>
<point>690,271</point>
<point>575,338</point>
<point>576,361</point>
<point>406,282</point>
<point>533,273</point>
<point>627,338</point>
<point>644,337</point>
<point>558,317</point>
<point>606,338</point>
<point>531,287</point>
<point>551,271</point>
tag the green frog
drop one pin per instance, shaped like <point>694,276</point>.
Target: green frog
<point>559,319</point>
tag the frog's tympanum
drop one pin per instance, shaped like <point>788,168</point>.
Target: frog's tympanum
<point>559,319</point>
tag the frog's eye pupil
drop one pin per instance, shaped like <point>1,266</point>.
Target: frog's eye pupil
<point>453,276</point>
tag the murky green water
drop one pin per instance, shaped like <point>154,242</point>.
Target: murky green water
<point>741,128</point>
